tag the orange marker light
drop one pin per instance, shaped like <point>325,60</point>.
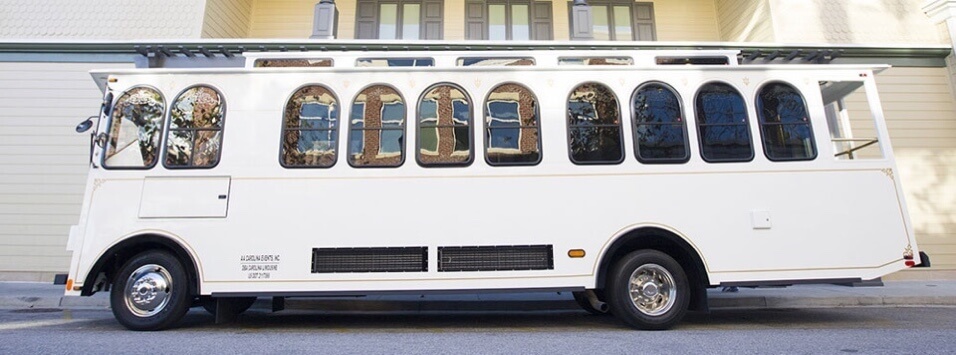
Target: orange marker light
<point>69,284</point>
<point>576,253</point>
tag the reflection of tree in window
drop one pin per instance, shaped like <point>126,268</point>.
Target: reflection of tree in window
<point>784,123</point>
<point>511,126</point>
<point>310,128</point>
<point>134,129</point>
<point>444,118</point>
<point>658,125</point>
<point>594,125</point>
<point>377,128</point>
<point>722,124</point>
<point>195,129</point>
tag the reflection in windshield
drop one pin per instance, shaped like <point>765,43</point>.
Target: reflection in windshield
<point>377,128</point>
<point>658,124</point>
<point>195,128</point>
<point>444,118</point>
<point>511,121</point>
<point>135,127</point>
<point>310,128</point>
<point>594,125</point>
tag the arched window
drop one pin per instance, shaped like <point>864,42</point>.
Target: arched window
<point>135,128</point>
<point>594,125</point>
<point>310,127</point>
<point>784,123</point>
<point>444,126</point>
<point>512,134</point>
<point>660,131</point>
<point>722,124</point>
<point>377,128</point>
<point>194,139</point>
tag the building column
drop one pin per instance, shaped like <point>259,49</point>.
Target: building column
<point>581,26</point>
<point>323,20</point>
<point>943,13</point>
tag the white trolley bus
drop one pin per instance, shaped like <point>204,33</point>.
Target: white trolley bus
<point>635,179</point>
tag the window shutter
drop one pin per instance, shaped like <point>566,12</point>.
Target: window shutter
<point>432,19</point>
<point>541,20</point>
<point>644,22</point>
<point>475,20</point>
<point>366,16</point>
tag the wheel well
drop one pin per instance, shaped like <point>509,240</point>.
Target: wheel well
<point>668,243</point>
<point>104,270</point>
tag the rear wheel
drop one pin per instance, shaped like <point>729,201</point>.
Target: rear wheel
<point>649,290</point>
<point>150,292</point>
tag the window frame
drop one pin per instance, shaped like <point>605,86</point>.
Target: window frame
<point>222,128</point>
<point>485,20</point>
<point>760,121</point>
<point>746,124</point>
<point>620,126</point>
<point>160,154</point>
<point>632,13</point>
<point>471,128</point>
<point>404,129</point>
<point>399,17</point>
<point>283,129</point>
<point>634,125</point>
<point>485,126</point>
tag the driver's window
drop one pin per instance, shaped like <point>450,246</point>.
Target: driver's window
<point>135,125</point>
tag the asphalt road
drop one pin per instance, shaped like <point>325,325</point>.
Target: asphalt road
<point>865,330</point>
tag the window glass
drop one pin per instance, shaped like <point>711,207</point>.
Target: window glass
<point>622,23</point>
<point>594,125</point>
<point>135,127</point>
<point>784,123</point>
<point>293,62</point>
<point>195,129</point>
<point>444,126</point>
<point>395,62</point>
<point>511,126</point>
<point>497,24</point>
<point>659,131</point>
<point>310,128</point>
<point>595,61</point>
<point>494,62</point>
<point>411,17</point>
<point>377,128</point>
<point>520,23</point>
<point>387,21</point>
<point>602,27</point>
<point>722,124</point>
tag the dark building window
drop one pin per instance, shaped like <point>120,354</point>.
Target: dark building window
<point>594,125</point>
<point>660,131</point>
<point>722,124</point>
<point>784,123</point>
<point>621,20</point>
<point>518,20</point>
<point>398,19</point>
<point>444,126</point>
<point>310,127</point>
<point>136,124</point>
<point>377,128</point>
<point>194,139</point>
<point>512,133</point>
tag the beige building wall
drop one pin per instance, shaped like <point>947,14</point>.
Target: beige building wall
<point>43,162</point>
<point>100,19</point>
<point>227,19</point>
<point>745,20</point>
<point>856,21</point>
<point>686,20</point>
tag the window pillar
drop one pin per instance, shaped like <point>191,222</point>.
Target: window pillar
<point>943,13</point>
<point>581,26</point>
<point>323,20</point>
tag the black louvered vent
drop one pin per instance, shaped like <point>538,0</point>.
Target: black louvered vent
<point>496,258</point>
<point>405,259</point>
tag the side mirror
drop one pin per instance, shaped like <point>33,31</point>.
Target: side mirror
<point>85,125</point>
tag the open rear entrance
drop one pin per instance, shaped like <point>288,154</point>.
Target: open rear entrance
<point>851,121</point>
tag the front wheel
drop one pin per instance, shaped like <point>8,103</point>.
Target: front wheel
<point>649,290</point>
<point>150,292</point>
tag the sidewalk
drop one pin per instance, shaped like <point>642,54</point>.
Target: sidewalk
<point>892,294</point>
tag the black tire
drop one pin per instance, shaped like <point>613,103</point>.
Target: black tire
<point>664,293</point>
<point>162,295</point>
<point>242,304</point>
<point>582,300</point>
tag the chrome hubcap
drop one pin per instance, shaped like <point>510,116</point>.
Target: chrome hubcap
<point>148,290</point>
<point>652,289</point>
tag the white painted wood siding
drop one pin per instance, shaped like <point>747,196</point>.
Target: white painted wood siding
<point>43,162</point>
<point>227,19</point>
